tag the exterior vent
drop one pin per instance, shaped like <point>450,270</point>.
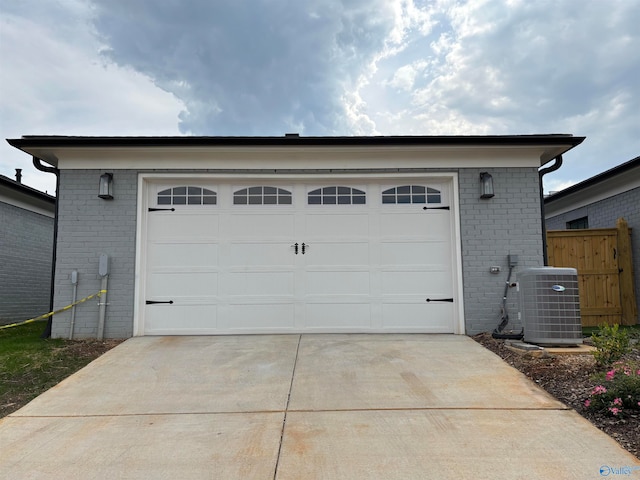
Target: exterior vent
<point>550,306</point>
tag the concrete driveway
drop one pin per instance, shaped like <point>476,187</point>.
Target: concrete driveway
<point>302,407</point>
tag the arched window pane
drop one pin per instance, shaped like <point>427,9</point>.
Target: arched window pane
<point>186,195</point>
<point>336,195</point>
<point>411,194</point>
<point>262,195</point>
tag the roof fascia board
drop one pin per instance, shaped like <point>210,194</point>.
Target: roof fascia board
<point>51,148</point>
<point>624,168</point>
<point>183,141</point>
<point>593,192</point>
<point>7,184</point>
<point>27,202</point>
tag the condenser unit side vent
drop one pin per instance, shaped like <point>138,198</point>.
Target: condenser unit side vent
<point>550,306</point>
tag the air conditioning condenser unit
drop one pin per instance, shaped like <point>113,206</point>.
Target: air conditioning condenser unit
<point>550,306</point>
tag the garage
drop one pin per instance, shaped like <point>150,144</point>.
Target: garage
<point>289,254</point>
<point>292,234</point>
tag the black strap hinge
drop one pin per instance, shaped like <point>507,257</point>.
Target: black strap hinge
<point>153,302</point>
<point>450,300</point>
<point>436,208</point>
<point>162,209</point>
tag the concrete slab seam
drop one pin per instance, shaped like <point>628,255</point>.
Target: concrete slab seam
<point>286,408</point>
<point>324,410</point>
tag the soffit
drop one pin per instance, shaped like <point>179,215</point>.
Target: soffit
<point>302,152</point>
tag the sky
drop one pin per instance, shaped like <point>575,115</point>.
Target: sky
<point>323,68</point>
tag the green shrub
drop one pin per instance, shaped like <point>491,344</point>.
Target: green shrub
<point>611,344</point>
<point>618,390</point>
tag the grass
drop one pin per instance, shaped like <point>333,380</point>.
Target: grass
<point>30,365</point>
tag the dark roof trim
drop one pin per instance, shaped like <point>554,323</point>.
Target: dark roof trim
<point>601,177</point>
<point>22,188</point>
<point>29,141</point>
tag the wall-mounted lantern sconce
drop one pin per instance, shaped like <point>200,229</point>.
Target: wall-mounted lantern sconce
<point>105,189</point>
<point>486,185</point>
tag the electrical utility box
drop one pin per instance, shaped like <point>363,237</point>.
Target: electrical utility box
<point>550,306</point>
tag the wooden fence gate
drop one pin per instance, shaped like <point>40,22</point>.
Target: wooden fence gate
<point>602,257</point>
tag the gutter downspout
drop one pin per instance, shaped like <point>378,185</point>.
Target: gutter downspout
<point>37,163</point>
<point>541,173</point>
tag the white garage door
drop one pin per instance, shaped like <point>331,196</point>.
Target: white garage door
<point>271,256</point>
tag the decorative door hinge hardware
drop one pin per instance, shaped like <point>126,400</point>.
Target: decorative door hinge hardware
<point>162,209</point>
<point>295,248</point>
<point>154,302</point>
<point>450,300</point>
<point>436,208</point>
<point>304,245</point>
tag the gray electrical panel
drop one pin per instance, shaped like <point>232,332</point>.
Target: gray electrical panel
<point>103,265</point>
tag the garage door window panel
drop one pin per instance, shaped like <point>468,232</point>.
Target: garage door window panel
<point>187,195</point>
<point>262,195</point>
<point>336,195</point>
<point>411,194</point>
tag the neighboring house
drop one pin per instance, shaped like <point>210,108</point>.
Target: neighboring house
<point>226,235</point>
<point>26,248</point>
<point>598,202</point>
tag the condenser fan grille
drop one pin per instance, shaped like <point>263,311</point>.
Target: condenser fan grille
<point>550,306</point>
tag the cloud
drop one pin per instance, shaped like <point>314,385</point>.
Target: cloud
<point>80,84</point>
<point>54,82</point>
<point>264,67</point>
<point>328,67</point>
<point>490,67</point>
<point>555,186</point>
<point>528,61</point>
